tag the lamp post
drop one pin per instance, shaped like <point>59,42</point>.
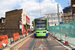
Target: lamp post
<point>59,20</point>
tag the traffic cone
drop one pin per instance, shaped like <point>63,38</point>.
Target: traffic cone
<point>51,34</point>
<point>55,36</point>
<point>26,33</point>
<point>66,42</point>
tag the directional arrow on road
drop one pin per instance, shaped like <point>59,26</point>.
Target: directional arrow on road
<point>41,46</point>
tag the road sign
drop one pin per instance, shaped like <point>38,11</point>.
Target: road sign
<point>61,22</point>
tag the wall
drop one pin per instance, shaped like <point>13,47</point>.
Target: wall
<point>12,19</point>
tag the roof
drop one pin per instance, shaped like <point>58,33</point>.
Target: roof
<point>66,9</point>
<point>14,10</point>
<point>40,18</point>
<point>2,17</point>
<point>52,13</point>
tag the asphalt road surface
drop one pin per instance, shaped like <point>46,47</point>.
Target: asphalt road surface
<point>32,43</point>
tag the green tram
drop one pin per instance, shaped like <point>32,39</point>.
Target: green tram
<point>40,27</point>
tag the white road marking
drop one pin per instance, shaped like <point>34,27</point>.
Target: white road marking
<point>41,46</point>
<point>48,38</point>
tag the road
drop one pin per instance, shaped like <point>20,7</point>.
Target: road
<point>32,43</point>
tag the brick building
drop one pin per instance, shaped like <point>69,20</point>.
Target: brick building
<point>16,21</point>
<point>12,19</point>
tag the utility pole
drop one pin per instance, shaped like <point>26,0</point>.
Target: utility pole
<point>59,20</point>
<point>40,7</point>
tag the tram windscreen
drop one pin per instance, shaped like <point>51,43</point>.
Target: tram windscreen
<point>40,24</point>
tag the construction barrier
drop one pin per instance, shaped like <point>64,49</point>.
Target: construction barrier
<point>3,40</point>
<point>16,36</point>
<point>62,29</point>
<point>1,45</point>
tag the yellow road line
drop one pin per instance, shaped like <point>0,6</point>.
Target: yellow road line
<point>21,44</point>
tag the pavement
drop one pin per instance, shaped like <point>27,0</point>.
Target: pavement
<point>9,47</point>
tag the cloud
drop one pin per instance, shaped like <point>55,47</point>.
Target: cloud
<point>33,8</point>
<point>7,5</point>
<point>30,6</point>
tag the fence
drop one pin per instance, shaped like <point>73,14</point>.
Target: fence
<point>10,32</point>
<point>9,36</point>
<point>62,29</point>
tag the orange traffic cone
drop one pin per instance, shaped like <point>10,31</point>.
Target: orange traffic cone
<point>55,36</point>
<point>66,42</point>
<point>27,33</point>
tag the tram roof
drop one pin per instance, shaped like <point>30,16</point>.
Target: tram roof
<point>40,19</point>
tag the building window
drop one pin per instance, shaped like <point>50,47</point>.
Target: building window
<point>3,20</point>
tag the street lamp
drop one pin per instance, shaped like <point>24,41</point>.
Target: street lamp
<point>59,20</point>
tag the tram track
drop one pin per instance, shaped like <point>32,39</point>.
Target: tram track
<point>45,44</point>
<point>48,44</point>
<point>32,45</point>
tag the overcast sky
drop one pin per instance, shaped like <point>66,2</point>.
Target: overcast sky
<point>32,7</point>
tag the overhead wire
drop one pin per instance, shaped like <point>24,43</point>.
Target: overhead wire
<point>40,7</point>
<point>68,2</point>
